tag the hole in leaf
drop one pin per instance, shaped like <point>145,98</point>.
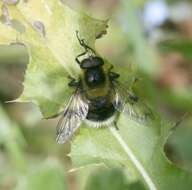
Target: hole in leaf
<point>5,17</point>
<point>39,27</point>
<point>11,2</point>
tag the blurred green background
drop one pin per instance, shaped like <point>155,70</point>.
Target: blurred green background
<point>160,38</point>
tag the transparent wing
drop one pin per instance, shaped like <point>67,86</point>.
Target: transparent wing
<point>126,102</point>
<point>121,96</point>
<point>74,113</point>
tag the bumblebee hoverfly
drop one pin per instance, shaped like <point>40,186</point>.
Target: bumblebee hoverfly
<point>98,97</point>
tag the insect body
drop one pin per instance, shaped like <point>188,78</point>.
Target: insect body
<point>96,84</point>
<point>97,99</point>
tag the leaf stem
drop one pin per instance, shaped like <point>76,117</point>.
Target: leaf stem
<point>133,158</point>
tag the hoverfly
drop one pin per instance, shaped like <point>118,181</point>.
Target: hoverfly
<point>98,97</point>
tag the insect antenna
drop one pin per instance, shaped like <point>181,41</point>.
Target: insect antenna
<point>83,44</point>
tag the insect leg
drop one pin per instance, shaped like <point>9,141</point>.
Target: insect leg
<point>115,124</point>
<point>110,68</point>
<point>54,116</point>
<point>135,80</point>
<point>113,75</point>
<point>73,82</point>
<point>133,97</point>
<point>77,60</point>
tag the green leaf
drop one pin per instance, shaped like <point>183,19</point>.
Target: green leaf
<point>180,142</point>
<point>145,57</point>
<point>112,179</point>
<point>48,175</point>
<point>50,36</point>
<point>47,28</point>
<point>182,46</point>
<point>7,34</point>
<point>12,140</point>
<point>137,147</point>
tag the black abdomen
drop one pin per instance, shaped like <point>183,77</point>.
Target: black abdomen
<point>100,109</point>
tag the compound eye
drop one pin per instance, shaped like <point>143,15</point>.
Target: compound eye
<point>86,63</point>
<point>98,61</point>
<point>91,62</point>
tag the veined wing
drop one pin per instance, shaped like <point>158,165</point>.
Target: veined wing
<point>74,113</point>
<point>126,102</point>
<point>121,96</point>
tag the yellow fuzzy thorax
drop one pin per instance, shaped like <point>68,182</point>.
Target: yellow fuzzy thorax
<point>98,91</point>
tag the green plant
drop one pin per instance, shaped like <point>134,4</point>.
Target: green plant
<point>26,176</point>
<point>47,29</point>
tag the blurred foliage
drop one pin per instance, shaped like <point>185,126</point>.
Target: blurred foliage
<point>25,147</point>
<point>48,175</point>
<point>183,46</point>
<point>179,144</point>
<point>110,179</point>
<point>24,174</point>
